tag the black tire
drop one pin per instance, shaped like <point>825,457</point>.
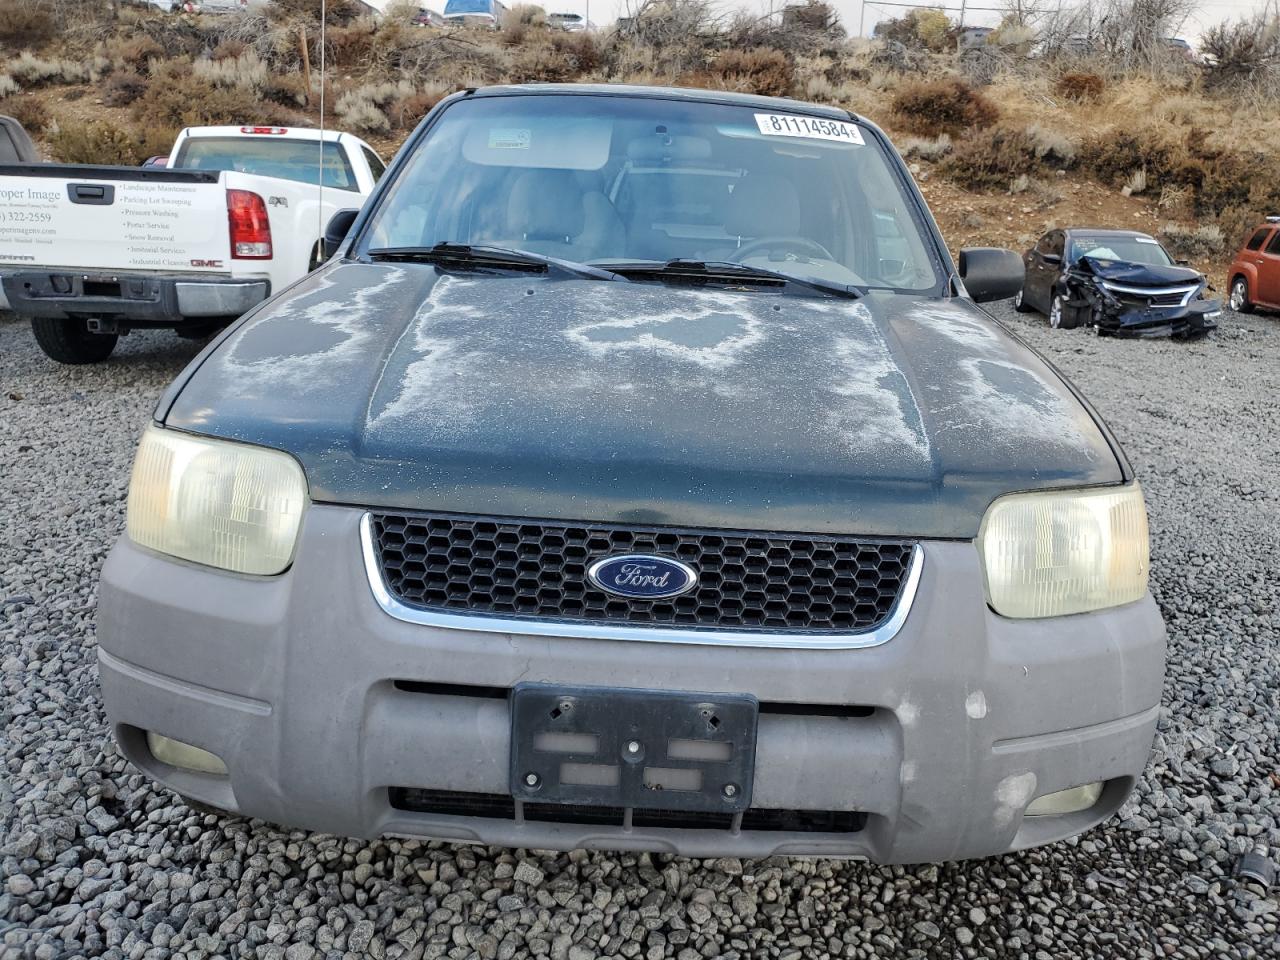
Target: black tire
<point>69,341</point>
<point>317,258</point>
<point>1062,316</point>
<point>1245,305</point>
<point>1020,304</point>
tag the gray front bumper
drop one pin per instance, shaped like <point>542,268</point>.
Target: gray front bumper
<point>292,681</point>
<point>139,299</point>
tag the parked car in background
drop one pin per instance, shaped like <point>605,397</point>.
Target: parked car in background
<point>16,145</point>
<point>499,527</point>
<point>221,6</point>
<point>475,13</point>
<point>90,252</point>
<point>570,22</point>
<point>1119,282</point>
<point>427,18</point>
<point>1255,272</point>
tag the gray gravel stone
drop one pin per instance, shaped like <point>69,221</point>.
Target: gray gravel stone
<point>98,861</point>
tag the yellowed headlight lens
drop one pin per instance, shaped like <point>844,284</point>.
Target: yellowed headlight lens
<point>227,505</point>
<point>1057,552</point>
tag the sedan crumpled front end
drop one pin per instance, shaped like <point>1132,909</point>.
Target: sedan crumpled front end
<point>1142,300</point>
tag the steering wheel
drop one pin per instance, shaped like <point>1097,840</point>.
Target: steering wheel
<point>799,244</point>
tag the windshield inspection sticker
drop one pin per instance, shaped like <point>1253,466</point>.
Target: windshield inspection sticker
<point>509,138</point>
<point>812,128</point>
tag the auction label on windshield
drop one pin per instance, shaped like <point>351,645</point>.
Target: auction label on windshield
<point>813,128</point>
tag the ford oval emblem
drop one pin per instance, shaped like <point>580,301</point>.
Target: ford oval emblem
<point>642,577</point>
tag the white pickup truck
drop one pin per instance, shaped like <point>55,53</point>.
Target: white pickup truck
<point>93,252</point>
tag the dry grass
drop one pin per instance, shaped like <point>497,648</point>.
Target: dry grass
<point>992,159</point>
<point>24,24</point>
<point>1194,243</point>
<point>948,105</point>
<point>1080,86</point>
<point>107,143</point>
<point>122,88</point>
<point>931,149</point>
<point>178,98</point>
<point>28,111</point>
<point>32,71</point>
<point>761,70</point>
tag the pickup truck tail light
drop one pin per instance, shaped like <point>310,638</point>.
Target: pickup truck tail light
<point>250,228</point>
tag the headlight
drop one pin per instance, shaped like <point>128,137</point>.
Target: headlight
<point>228,505</point>
<point>1065,551</point>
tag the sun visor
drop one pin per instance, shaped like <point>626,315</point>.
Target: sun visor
<point>546,142</point>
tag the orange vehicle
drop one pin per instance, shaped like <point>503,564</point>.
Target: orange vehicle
<point>1255,272</point>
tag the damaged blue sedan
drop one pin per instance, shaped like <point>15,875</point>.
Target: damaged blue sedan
<point>638,473</point>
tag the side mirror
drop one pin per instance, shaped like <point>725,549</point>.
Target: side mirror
<point>990,273</point>
<point>336,231</point>
<point>1183,263</point>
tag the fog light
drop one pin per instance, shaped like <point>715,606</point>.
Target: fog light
<point>184,756</point>
<point>1065,801</point>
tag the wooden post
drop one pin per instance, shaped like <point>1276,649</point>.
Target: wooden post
<point>306,59</point>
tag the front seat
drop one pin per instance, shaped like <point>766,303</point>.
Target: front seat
<point>549,212</point>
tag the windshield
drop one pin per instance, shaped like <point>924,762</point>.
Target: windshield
<point>287,158</point>
<point>1134,249</point>
<point>617,179</point>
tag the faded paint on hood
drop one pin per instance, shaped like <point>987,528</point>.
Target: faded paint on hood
<point>627,402</point>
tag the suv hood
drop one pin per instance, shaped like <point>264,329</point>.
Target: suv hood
<point>616,402</point>
<point>1142,274</point>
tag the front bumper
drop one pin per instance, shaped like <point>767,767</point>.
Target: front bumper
<point>142,300</point>
<point>1193,320</point>
<point>322,704</point>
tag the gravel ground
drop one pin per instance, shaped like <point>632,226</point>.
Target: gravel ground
<point>96,861</point>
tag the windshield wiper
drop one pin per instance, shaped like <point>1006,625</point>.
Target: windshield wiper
<point>729,271</point>
<point>483,255</point>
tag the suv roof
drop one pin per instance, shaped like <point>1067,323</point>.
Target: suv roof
<point>664,93</point>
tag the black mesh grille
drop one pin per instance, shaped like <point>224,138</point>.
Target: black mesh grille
<point>538,570</point>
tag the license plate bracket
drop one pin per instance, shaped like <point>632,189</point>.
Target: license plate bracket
<point>623,747</point>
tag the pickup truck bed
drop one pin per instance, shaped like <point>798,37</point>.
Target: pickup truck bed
<point>158,241</point>
<point>91,252</point>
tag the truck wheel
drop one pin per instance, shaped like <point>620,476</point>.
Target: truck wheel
<point>69,341</point>
<point>1238,299</point>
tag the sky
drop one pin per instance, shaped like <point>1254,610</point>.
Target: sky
<point>851,12</point>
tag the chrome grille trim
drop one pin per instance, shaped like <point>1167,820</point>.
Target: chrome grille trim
<point>545,627</point>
